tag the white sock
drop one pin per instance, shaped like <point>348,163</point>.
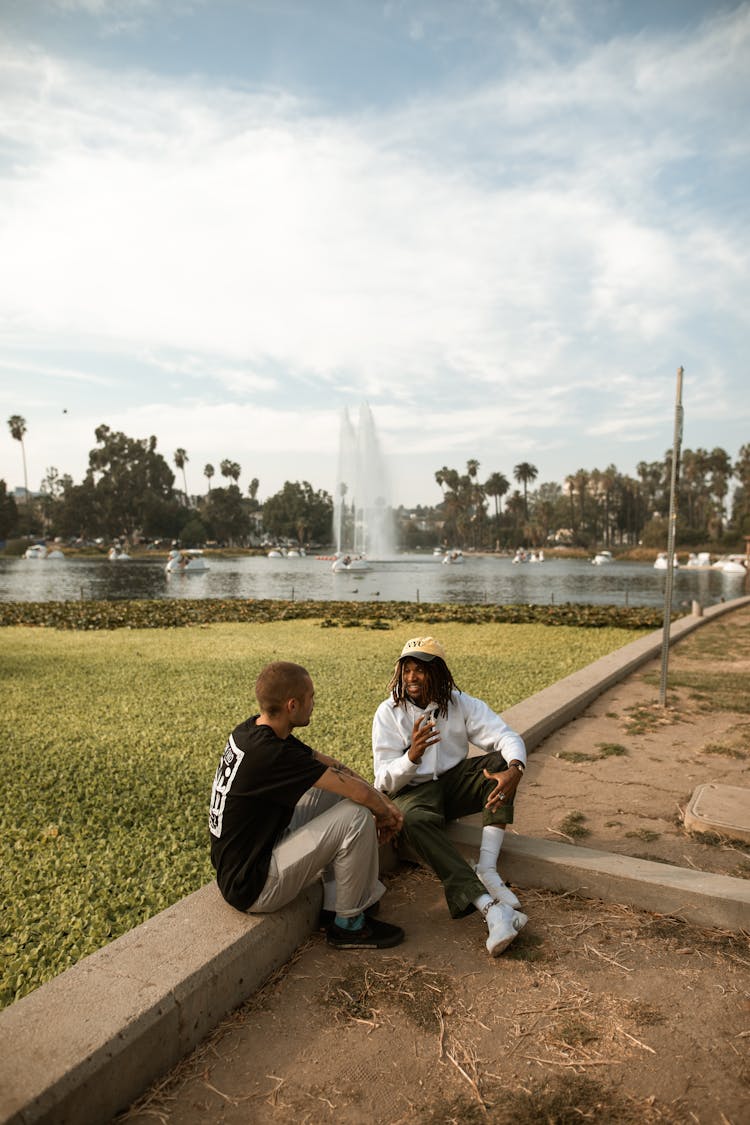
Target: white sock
<point>489,847</point>
<point>483,902</point>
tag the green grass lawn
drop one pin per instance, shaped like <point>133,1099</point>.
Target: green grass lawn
<point>109,742</point>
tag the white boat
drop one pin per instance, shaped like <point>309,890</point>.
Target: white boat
<point>39,551</point>
<point>536,557</point>
<point>186,562</point>
<point>348,563</point>
<point>661,562</point>
<point>274,554</point>
<point>117,554</point>
<point>731,564</point>
<point>453,558</point>
<point>601,558</point>
<point>437,550</point>
<point>520,556</point>
<point>701,561</point>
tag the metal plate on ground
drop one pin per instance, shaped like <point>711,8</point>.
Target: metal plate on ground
<point>724,809</point>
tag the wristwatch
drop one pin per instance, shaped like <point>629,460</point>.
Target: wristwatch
<point>519,766</point>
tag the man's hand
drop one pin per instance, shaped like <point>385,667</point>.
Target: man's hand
<point>389,821</point>
<point>506,783</point>
<point>423,736</point>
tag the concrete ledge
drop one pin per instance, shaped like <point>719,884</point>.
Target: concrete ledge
<point>710,901</point>
<point>82,1047</point>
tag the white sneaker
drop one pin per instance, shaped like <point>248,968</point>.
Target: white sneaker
<point>505,924</point>
<point>496,887</point>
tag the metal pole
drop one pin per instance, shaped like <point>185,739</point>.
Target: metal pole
<point>678,418</point>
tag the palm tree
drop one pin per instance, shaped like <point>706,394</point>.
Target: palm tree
<point>230,469</point>
<point>180,457</point>
<point>17,426</point>
<point>496,486</point>
<point>524,473</point>
<point>208,472</point>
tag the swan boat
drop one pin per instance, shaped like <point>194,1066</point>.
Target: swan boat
<point>186,562</point>
<point>348,563</point>
<point>601,558</point>
<point>40,551</point>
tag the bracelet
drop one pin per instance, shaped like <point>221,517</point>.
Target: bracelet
<point>519,766</point>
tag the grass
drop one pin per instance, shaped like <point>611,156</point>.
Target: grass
<point>109,741</point>
<point>723,750</point>
<point>606,750</point>
<point>573,825</point>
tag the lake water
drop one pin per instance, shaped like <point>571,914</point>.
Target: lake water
<point>410,578</point>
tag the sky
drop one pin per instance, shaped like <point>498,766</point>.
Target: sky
<point>501,224</point>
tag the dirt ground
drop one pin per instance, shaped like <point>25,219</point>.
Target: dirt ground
<point>596,1013</point>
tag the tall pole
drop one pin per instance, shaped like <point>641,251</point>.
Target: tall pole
<point>678,417</point>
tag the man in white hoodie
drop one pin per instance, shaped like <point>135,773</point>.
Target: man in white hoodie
<point>420,741</point>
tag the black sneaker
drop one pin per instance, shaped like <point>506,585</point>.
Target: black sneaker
<point>327,917</point>
<point>373,935</point>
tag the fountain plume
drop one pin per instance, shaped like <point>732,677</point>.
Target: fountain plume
<point>362,510</point>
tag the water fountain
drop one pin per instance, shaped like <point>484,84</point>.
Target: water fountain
<point>362,511</point>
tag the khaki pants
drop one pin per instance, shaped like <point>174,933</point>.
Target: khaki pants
<point>331,834</point>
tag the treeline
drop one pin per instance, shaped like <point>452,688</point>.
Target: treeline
<point>129,490</point>
<point>602,507</point>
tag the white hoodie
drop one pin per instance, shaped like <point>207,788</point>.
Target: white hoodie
<point>469,721</point>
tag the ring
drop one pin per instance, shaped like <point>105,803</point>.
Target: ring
<point>501,797</point>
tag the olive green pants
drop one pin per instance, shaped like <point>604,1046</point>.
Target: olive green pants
<point>428,807</point>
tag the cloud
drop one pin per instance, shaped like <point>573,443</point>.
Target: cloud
<point>485,254</point>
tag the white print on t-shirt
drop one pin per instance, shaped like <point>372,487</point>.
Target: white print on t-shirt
<point>225,774</point>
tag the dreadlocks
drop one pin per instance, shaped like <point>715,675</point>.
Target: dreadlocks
<point>440,684</point>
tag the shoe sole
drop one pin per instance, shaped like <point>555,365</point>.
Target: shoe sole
<point>367,943</point>
<point>502,945</point>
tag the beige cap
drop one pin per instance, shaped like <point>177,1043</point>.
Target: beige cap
<point>423,648</point>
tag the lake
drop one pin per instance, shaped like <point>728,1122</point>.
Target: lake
<point>410,578</point>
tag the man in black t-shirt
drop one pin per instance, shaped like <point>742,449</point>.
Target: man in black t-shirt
<point>282,814</point>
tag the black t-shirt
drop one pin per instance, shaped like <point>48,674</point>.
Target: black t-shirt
<point>259,780</point>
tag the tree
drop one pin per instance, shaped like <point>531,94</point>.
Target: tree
<point>180,459</point>
<point>208,472</point>
<point>252,490</point>
<point>230,469</point>
<point>496,486</point>
<point>8,512</point>
<point>131,481</point>
<point>299,512</point>
<point>226,515</point>
<point>524,473</point>
<point>741,498</point>
<point>721,470</point>
<point>17,426</point>
<point>52,490</point>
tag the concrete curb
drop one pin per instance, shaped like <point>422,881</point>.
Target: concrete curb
<point>84,1046</point>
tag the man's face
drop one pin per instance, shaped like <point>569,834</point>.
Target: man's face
<point>303,707</point>
<point>414,679</point>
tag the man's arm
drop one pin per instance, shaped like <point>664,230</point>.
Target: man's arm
<point>342,780</point>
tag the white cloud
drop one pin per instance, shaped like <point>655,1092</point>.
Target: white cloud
<point>486,257</point>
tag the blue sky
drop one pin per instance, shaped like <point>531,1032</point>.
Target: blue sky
<point>502,225</point>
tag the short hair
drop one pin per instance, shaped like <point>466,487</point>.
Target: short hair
<point>278,683</point>
<point>440,683</point>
